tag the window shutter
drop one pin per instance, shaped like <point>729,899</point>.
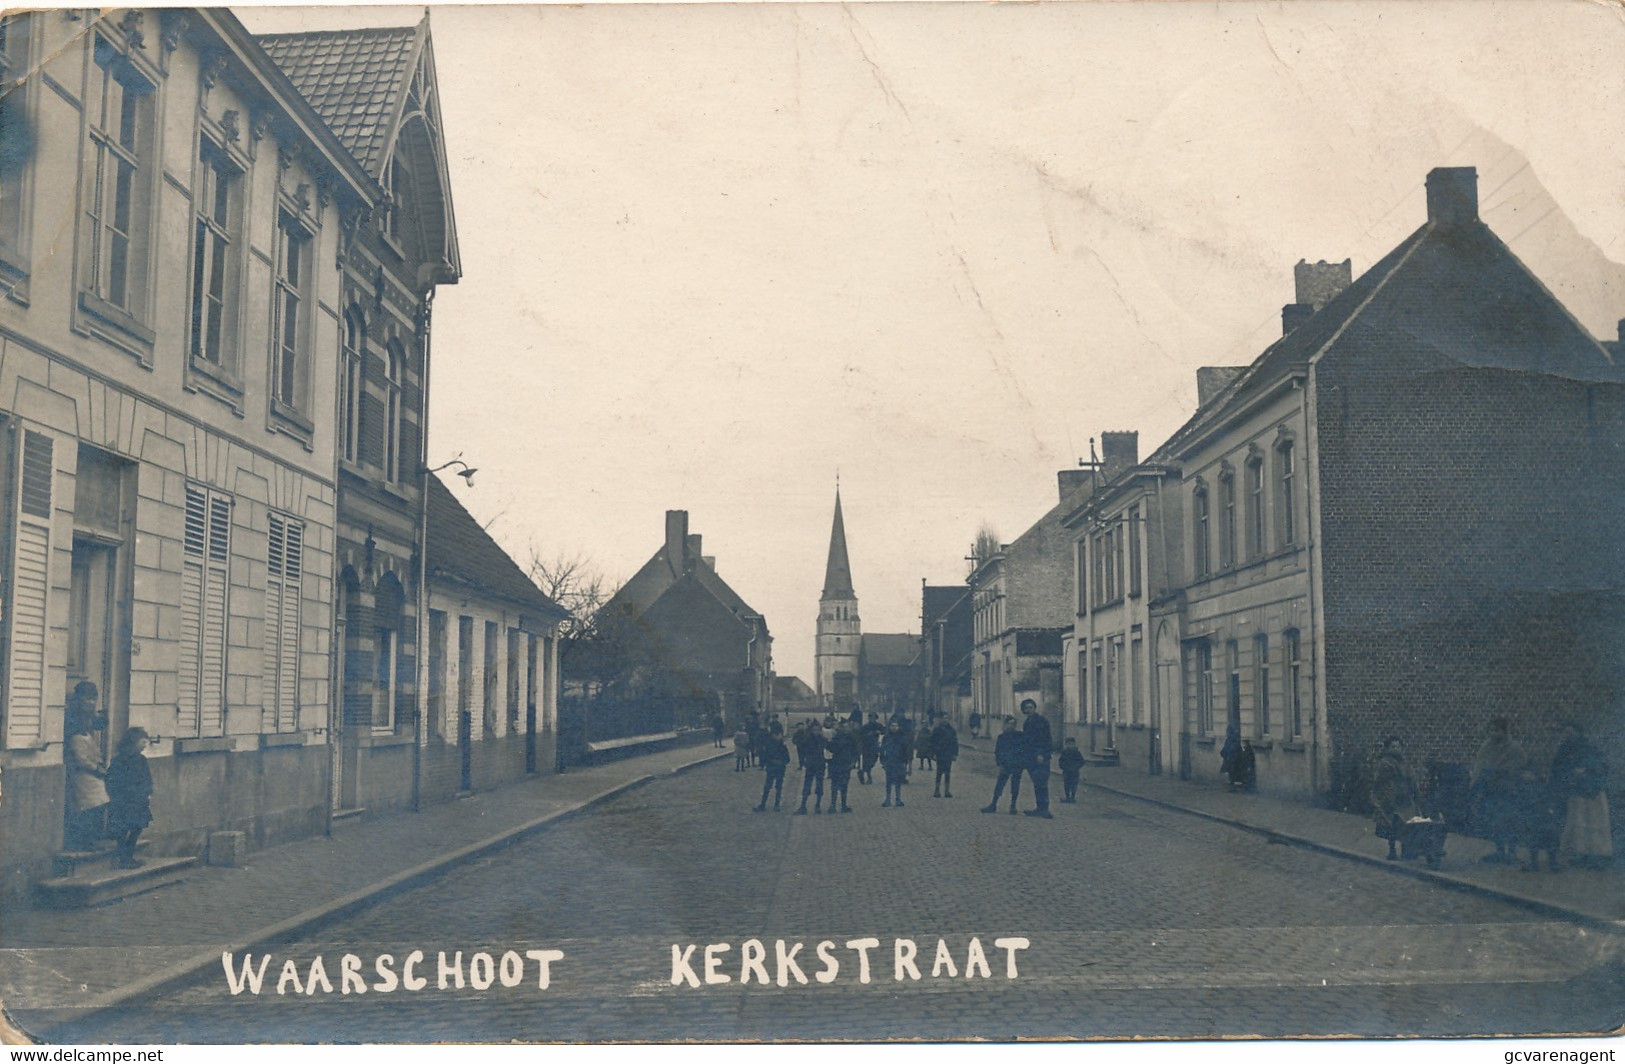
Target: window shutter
<point>282,593</point>
<point>204,573</point>
<point>30,592</point>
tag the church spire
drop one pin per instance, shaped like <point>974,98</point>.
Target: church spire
<point>837,571</point>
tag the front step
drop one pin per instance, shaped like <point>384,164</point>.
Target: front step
<point>101,886</point>
<point>70,862</point>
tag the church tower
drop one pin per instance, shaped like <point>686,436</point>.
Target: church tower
<point>839,632</point>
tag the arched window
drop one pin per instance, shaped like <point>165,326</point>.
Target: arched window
<point>1201,532</point>
<point>353,357</point>
<point>396,369</point>
<point>1227,519</point>
<point>1255,509</point>
<point>1285,493</point>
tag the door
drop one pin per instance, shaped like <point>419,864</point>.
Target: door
<point>465,700</point>
<point>530,703</point>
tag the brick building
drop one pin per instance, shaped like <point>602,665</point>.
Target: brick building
<point>680,643</point>
<point>376,88</point>
<point>1021,610</point>
<point>946,645</point>
<point>1401,518</point>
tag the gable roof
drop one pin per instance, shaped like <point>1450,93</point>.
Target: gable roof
<point>1451,293</point>
<point>889,649</point>
<point>938,601</point>
<point>662,572</point>
<point>355,79</point>
<point>460,549</point>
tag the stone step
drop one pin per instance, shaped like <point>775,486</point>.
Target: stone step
<point>98,886</point>
<point>69,862</point>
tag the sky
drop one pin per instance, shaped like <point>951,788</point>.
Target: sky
<point>716,255</point>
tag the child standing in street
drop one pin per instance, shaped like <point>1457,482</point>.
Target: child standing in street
<point>129,790</point>
<point>894,762</point>
<point>741,749</point>
<point>1071,765</point>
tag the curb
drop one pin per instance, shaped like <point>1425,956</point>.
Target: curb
<point>1444,879</point>
<point>345,905</point>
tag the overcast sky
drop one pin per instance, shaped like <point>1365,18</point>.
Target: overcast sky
<point>714,254</point>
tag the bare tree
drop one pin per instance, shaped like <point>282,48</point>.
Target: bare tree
<point>575,582</point>
<point>984,546</point>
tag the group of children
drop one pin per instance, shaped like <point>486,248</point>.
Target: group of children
<point>105,802</point>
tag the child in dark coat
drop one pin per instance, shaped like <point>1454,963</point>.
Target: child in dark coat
<point>129,790</point>
<point>894,762</point>
<point>1071,765</point>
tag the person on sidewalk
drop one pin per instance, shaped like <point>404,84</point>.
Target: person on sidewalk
<point>1010,755</point>
<point>1394,801</point>
<point>82,754</point>
<point>718,729</point>
<point>843,757</point>
<point>869,740</point>
<point>775,759</point>
<point>1040,745</point>
<point>1580,777</point>
<point>1244,769</point>
<point>741,749</point>
<point>894,762</point>
<point>812,767</point>
<point>129,790</point>
<point>945,745</point>
<point>1541,819</point>
<point>1071,762</point>
<point>975,725</point>
<point>1228,753</point>
<point>1496,802</point>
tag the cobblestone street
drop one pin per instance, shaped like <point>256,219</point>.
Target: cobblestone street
<point>1141,921</point>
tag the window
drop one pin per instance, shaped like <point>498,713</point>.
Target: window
<point>205,563</point>
<point>292,266</point>
<point>1114,680</point>
<point>1201,539</point>
<point>1232,660</point>
<point>1204,687</point>
<point>15,142</point>
<point>118,108</point>
<point>1136,665</point>
<point>353,355</point>
<point>1290,689</point>
<point>383,680</point>
<point>1227,519</point>
<point>1286,515</point>
<point>1261,680</point>
<point>284,569</point>
<point>394,371</point>
<point>489,693</point>
<point>1255,509</point>
<point>213,194</point>
<point>513,680</point>
<point>1100,684</point>
<point>1135,527</point>
<point>1083,576</point>
<point>437,672</point>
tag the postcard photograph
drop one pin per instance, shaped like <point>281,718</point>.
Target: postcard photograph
<point>812,522</point>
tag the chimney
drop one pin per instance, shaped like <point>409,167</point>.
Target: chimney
<point>710,561</point>
<point>1074,480</point>
<point>1118,451</point>
<point>1452,195</point>
<point>694,555</point>
<point>676,537</point>
<point>1211,380</point>
<point>1318,283</point>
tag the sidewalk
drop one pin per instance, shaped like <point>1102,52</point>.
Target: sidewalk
<point>59,964</point>
<point>1593,897</point>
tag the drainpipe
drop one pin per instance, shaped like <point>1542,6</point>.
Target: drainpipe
<point>420,696</point>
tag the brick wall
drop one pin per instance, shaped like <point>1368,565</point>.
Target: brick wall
<point>1471,531</point>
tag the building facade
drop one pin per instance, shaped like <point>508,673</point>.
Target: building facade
<point>169,336</point>
<point>1400,519</point>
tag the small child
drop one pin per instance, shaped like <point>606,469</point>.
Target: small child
<point>1071,765</point>
<point>1543,824</point>
<point>129,790</point>
<point>894,762</point>
<point>741,750</point>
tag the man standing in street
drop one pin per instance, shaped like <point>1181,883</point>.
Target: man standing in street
<point>1039,742</point>
<point>869,742</point>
